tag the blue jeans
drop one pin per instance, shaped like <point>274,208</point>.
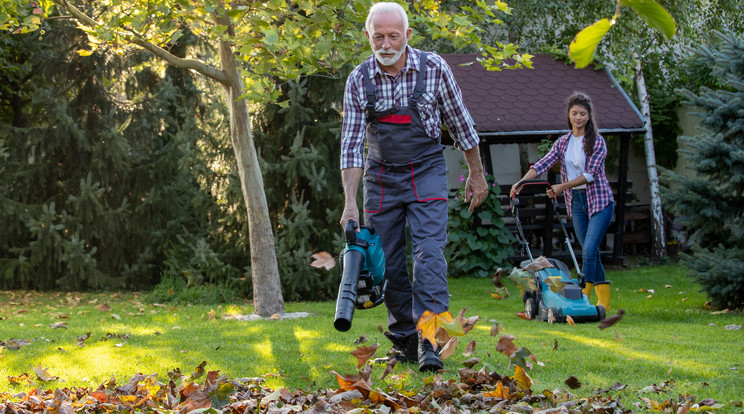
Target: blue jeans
<point>590,231</point>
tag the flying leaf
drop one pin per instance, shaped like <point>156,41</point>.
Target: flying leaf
<point>467,323</point>
<point>430,322</point>
<point>496,329</point>
<point>449,348</point>
<point>497,276</point>
<point>538,264</point>
<point>524,280</point>
<point>469,349</point>
<point>655,15</point>
<point>506,345</point>
<point>523,358</point>
<point>582,47</point>
<point>573,382</point>
<point>324,260</point>
<point>554,284</point>
<point>570,321</point>
<point>364,353</point>
<point>611,320</point>
<point>389,368</point>
<point>199,370</point>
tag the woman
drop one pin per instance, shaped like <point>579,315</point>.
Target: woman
<point>589,201</point>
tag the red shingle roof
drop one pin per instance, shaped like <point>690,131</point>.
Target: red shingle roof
<point>532,101</point>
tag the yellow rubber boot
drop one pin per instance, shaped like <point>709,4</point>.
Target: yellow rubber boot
<point>588,289</point>
<point>603,294</point>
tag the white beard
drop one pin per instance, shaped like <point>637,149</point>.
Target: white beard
<point>389,61</point>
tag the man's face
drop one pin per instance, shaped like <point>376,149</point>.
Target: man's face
<point>388,38</point>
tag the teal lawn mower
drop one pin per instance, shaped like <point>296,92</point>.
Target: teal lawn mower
<point>557,295</point>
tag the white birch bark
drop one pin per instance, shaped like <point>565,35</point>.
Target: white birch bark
<point>658,243</point>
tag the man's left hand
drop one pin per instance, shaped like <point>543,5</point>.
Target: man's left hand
<point>476,190</point>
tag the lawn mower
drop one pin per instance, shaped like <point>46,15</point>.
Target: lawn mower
<point>544,303</point>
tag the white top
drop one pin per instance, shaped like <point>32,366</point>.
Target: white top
<point>575,160</point>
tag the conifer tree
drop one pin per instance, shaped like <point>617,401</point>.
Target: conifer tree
<point>711,203</point>
<point>299,149</point>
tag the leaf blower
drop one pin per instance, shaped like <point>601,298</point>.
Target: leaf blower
<point>363,280</point>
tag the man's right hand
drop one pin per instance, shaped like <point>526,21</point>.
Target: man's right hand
<point>351,212</point>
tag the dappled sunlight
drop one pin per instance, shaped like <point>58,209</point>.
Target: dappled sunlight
<point>621,348</point>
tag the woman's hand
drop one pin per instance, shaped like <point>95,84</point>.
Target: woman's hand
<point>555,191</point>
<point>513,191</point>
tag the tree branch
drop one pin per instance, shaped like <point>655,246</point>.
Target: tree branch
<point>156,50</point>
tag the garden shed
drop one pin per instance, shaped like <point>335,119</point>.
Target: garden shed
<point>528,105</point>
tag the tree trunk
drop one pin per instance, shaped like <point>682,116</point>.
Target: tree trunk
<point>657,217</point>
<point>267,289</point>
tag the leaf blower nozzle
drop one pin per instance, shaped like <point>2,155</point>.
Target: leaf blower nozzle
<point>363,280</point>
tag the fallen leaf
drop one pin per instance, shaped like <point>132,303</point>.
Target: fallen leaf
<point>522,379</point>
<point>570,321</point>
<point>275,317</point>
<point>523,315</point>
<point>324,260</point>
<point>43,374</point>
<point>58,325</point>
<point>104,307</point>
<point>611,320</point>
<point>364,353</point>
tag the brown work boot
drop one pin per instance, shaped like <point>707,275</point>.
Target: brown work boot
<point>428,358</point>
<point>405,349</point>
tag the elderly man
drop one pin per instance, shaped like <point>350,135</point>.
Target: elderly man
<point>395,101</point>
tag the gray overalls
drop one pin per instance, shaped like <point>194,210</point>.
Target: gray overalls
<point>405,180</point>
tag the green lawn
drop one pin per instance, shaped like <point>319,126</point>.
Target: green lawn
<point>667,338</point>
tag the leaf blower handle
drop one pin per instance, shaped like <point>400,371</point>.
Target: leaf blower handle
<point>350,231</point>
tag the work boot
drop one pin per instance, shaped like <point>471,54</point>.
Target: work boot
<point>603,294</point>
<point>588,290</point>
<point>428,358</point>
<point>405,348</point>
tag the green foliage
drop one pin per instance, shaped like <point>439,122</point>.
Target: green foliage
<point>478,241</point>
<point>711,204</point>
<point>104,179</point>
<point>300,156</point>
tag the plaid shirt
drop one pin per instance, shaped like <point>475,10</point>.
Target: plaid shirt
<point>442,99</point>
<point>598,192</point>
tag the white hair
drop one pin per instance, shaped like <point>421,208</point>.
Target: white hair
<point>384,7</point>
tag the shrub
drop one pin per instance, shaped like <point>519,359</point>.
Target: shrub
<point>478,241</point>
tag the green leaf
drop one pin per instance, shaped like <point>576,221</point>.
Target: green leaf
<point>585,43</point>
<point>655,15</point>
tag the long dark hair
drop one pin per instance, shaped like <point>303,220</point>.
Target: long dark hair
<point>590,133</point>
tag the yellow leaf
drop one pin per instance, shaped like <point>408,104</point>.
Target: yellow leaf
<point>500,392</point>
<point>430,322</point>
<point>585,43</point>
<point>522,379</point>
